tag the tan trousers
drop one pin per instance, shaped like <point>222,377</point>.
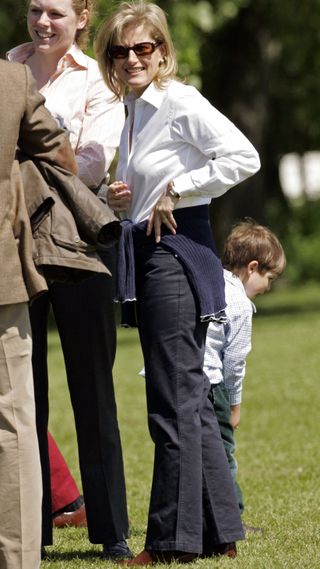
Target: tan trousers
<point>20,474</point>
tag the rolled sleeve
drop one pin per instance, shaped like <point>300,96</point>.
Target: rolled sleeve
<point>237,348</point>
<point>100,134</point>
<point>231,158</point>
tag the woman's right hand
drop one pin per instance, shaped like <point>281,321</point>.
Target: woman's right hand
<point>118,196</point>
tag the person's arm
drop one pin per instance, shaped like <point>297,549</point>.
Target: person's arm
<point>100,134</point>
<point>213,355</point>
<point>40,137</point>
<point>235,416</point>
<point>118,196</point>
<point>224,359</point>
<point>231,158</point>
<point>236,350</point>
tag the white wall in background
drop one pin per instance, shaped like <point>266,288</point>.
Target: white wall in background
<point>300,174</point>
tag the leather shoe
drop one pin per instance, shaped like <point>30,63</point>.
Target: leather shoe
<point>116,551</point>
<point>148,557</point>
<point>76,519</point>
<point>227,549</point>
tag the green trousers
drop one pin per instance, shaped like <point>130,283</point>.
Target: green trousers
<point>220,400</point>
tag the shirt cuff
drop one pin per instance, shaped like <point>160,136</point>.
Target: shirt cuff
<point>235,398</point>
<point>183,184</point>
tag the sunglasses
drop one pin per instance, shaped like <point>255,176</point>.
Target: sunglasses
<point>140,49</point>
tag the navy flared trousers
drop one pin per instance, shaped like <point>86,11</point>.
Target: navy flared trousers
<point>193,506</point>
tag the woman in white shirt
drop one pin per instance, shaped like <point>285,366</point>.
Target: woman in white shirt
<point>177,153</point>
<point>76,95</point>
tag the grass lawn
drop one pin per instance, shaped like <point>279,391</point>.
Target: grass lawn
<point>278,440</point>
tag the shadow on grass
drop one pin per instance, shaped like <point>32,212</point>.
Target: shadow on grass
<point>281,306</point>
<point>287,309</point>
<point>127,340</point>
<point>72,555</point>
<point>138,532</point>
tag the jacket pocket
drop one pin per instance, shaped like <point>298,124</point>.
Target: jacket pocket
<point>64,230</point>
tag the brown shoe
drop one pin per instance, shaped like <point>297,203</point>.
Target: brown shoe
<point>143,559</point>
<point>76,519</point>
<point>147,557</point>
<point>227,549</point>
<point>175,556</point>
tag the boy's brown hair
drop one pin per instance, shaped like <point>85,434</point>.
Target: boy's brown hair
<point>249,241</point>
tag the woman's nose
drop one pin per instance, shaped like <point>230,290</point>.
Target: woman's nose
<point>132,56</point>
<point>44,19</point>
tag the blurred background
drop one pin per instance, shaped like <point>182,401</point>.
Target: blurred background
<point>258,62</point>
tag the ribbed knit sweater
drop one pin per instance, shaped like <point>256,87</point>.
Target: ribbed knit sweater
<point>193,245</point>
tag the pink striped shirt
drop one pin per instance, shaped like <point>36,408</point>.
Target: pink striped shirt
<point>78,98</point>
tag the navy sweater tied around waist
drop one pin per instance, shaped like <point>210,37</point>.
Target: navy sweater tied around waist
<point>193,245</point>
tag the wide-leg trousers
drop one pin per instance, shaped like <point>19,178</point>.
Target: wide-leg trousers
<point>193,505</point>
<point>20,473</point>
<point>84,315</point>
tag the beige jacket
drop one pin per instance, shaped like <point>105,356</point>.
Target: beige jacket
<point>24,121</point>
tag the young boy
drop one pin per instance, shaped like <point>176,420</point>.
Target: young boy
<point>252,259</point>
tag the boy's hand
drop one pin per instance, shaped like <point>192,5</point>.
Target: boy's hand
<point>235,416</point>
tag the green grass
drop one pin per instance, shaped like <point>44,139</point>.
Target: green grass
<point>278,440</point>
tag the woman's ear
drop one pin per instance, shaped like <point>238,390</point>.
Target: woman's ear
<point>163,50</point>
<point>83,20</point>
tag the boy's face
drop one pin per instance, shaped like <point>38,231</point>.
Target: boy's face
<point>258,283</point>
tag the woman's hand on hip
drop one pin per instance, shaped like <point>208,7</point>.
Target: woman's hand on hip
<point>118,196</point>
<point>162,213</point>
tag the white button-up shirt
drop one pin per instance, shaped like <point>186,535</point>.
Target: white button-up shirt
<point>178,135</point>
<point>79,99</point>
<point>227,345</point>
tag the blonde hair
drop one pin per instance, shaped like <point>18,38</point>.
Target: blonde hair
<point>112,30</point>
<point>82,36</point>
<point>249,241</point>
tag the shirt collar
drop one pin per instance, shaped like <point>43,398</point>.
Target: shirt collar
<point>77,55</point>
<point>235,281</point>
<point>152,95</point>
<point>73,56</point>
<point>21,52</point>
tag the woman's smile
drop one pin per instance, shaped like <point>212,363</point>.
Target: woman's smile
<point>138,71</point>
